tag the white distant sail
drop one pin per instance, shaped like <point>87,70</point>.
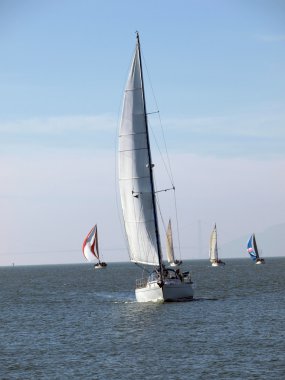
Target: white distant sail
<point>213,253</point>
<point>169,244</point>
<point>169,247</point>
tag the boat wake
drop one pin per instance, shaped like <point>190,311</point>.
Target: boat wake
<point>115,297</point>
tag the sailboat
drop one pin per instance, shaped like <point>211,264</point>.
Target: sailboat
<point>213,251</point>
<point>253,250</point>
<point>91,250</point>
<point>138,197</point>
<point>169,248</point>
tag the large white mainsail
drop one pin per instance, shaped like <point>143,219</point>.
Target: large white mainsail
<point>213,252</point>
<point>135,171</point>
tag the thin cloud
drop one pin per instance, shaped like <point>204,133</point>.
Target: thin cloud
<point>230,135</point>
<point>258,134</point>
<point>266,125</point>
<point>59,124</point>
<point>271,37</point>
<point>57,133</point>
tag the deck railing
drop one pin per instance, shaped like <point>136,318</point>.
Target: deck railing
<point>141,282</point>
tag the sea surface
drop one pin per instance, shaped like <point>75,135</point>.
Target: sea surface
<point>74,322</point>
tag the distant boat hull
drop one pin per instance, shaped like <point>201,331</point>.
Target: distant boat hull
<point>100,266</point>
<point>218,264</point>
<point>260,261</point>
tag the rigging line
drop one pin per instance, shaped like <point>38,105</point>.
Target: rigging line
<point>167,167</point>
<point>168,170</point>
<point>147,192</point>
<point>150,113</point>
<point>176,217</point>
<point>161,216</point>
<point>164,190</point>
<point>144,268</point>
<point>177,224</point>
<point>160,213</point>
<point>160,123</point>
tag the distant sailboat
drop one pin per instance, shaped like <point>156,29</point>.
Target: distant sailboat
<point>91,250</point>
<point>138,197</point>
<point>169,248</point>
<point>213,251</point>
<point>253,251</point>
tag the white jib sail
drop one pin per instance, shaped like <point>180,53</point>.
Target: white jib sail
<point>169,244</point>
<point>134,172</point>
<point>213,245</point>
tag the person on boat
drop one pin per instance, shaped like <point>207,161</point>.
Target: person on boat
<point>179,274</point>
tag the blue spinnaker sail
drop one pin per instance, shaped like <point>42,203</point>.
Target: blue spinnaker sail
<point>252,249</point>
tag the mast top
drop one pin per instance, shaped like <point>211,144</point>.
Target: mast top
<point>138,37</point>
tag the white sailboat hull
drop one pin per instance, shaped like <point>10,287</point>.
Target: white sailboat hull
<point>215,264</point>
<point>171,291</point>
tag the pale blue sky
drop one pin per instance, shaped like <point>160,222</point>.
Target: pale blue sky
<point>218,73</point>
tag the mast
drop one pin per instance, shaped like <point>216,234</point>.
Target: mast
<point>216,248</point>
<point>150,165</point>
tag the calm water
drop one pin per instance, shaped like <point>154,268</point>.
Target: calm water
<point>71,322</point>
